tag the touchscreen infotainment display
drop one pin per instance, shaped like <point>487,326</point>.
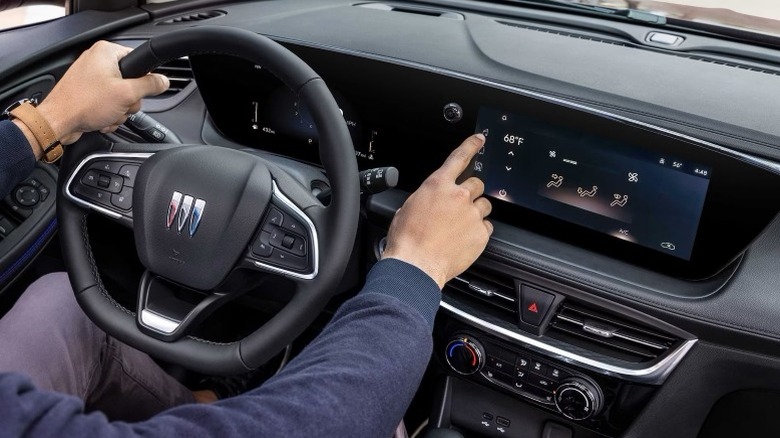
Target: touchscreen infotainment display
<point>629,193</point>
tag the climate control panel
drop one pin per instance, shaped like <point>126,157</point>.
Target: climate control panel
<point>573,394</point>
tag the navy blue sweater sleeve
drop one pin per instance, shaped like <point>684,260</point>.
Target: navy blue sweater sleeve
<point>356,379</point>
<point>16,158</point>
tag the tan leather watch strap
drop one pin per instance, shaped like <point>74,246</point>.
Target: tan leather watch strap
<point>41,130</point>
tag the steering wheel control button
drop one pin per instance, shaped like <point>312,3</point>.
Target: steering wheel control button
<point>103,181</point>
<point>288,241</point>
<point>107,166</point>
<point>534,305</point>
<point>286,260</point>
<point>124,199</point>
<point>95,195</point>
<point>273,219</point>
<point>27,196</point>
<point>299,247</point>
<point>292,224</point>
<point>262,246</point>
<point>129,172</point>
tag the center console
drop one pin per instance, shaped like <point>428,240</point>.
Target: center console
<point>556,355</point>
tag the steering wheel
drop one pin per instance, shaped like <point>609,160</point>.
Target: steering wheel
<point>201,214</point>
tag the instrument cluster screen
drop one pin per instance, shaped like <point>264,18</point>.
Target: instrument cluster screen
<point>647,198</point>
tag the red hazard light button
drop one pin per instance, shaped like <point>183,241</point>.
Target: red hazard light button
<point>534,304</point>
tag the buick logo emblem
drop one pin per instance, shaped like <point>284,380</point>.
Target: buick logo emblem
<point>181,212</point>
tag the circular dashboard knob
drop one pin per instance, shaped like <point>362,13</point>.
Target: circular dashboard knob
<point>578,399</point>
<point>453,113</point>
<point>465,355</point>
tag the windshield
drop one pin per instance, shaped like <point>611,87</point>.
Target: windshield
<point>761,16</point>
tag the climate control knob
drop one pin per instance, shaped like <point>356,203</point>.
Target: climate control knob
<point>465,355</point>
<point>578,399</point>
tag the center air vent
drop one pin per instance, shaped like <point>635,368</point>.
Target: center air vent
<point>494,289</point>
<point>179,73</point>
<point>608,334</point>
<point>197,16</point>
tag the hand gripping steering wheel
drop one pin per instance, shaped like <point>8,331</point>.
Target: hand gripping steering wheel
<point>201,213</point>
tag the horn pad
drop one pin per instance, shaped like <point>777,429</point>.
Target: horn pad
<point>195,211</point>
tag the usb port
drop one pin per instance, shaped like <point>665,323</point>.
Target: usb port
<point>501,421</point>
<point>487,416</point>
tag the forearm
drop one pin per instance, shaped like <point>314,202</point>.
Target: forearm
<point>356,379</point>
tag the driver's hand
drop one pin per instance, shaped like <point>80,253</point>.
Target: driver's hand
<point>441,228</point>
<point>92,95</point>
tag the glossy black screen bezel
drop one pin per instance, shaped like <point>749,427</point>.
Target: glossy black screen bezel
<point>406,103</point>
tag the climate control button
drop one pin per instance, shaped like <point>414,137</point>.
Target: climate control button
<point>465,355</point>
<point>578,399</point>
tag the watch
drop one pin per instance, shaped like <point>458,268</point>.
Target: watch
<point>25,111</point>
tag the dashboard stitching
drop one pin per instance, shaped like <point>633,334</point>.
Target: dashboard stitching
<point>605,288</point>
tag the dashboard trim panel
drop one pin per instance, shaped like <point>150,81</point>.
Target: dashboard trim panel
<point>655,374</point>
<point>766,164</point>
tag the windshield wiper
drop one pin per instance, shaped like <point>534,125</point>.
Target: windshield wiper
<point>627,13</point>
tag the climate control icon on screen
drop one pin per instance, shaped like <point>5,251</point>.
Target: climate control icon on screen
<point>589,193</point>
<point>620,200</point>
<point>556,181</point>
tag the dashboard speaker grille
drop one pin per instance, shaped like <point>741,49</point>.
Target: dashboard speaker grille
<point>197,16</point>
<point>608,334</point>
<point>179,73</point>
<point>494,289</point>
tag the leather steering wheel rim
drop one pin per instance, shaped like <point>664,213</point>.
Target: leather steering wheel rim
<point>336,224</point>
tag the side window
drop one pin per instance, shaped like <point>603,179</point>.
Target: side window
<point>18,13</point>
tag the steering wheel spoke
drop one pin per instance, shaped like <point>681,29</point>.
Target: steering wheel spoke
<point>104,183</point>
<point>165,315</point>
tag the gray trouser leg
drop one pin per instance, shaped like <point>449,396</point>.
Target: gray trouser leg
<point>47,337</point>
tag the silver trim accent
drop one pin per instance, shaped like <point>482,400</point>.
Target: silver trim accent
<point>173,209</point>
<point>184,212</point>
<point>314,244</point>
<point>158,322</point>
<point>767,164</point>
<point>196,216</point>
<point>84,162</point>
<point>654,374</point>
<point>478,288</point>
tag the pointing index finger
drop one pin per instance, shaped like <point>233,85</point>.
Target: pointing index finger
<point>460,158</point>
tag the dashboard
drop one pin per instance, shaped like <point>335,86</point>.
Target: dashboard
<point>675,205</point>
<point>630,286</point>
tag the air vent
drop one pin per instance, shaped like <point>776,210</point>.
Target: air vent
<point>495,289</point>
<point>608,334</point>
<point>197,16</point>
<point>179,73</point>
<point>430,12</point>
